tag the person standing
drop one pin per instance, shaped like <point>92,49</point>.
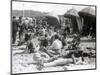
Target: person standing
<point>20,27</point>
<point>14,29</point>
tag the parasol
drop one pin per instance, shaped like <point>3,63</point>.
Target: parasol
<point>53,21</point>
<point>71,13</point>
<point>88,12</point>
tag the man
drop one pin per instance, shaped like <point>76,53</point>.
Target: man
<point>43,30</point>
<point>14,29</point>
<point>21,28</point>
<point>44,41</point>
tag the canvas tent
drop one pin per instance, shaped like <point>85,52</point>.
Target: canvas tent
<point>89,16</point>
<point>52,21</point>
<point>75,19</point>
<point>88,11</point>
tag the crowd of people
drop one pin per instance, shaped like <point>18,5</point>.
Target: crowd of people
<point>44,40</point>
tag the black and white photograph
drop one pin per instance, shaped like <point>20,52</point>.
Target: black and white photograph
<point>52,37</point>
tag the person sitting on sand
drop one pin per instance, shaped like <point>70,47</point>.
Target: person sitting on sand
<point>55,47</point>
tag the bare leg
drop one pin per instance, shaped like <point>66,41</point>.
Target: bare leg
<point>73,58</point>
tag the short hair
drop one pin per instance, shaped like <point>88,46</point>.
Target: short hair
<point>20,17</point>
<point>14,17</point>
<point>57,37</point>
<point>46,35</point>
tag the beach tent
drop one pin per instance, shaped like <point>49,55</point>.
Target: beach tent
<point>52,21</point>
<point>89,16</point>
<point>75,19</point>
<point>88,11</point>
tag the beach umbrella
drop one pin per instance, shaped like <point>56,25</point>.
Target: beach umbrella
<point>53,21</point>
<point>87,12</point>
<point>71,13</point>
<point>74,16</point>
<point>89,16</point>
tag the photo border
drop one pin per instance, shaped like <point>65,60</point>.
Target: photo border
<point>50,3</point>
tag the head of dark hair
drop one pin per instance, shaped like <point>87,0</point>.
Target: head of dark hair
<point>20,17</point>
<point>14,17</point>
<point>57,37</point>
<point>45,35</point>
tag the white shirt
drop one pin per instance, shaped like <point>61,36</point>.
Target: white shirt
<point>57,44</point>
<point>43,30</point>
